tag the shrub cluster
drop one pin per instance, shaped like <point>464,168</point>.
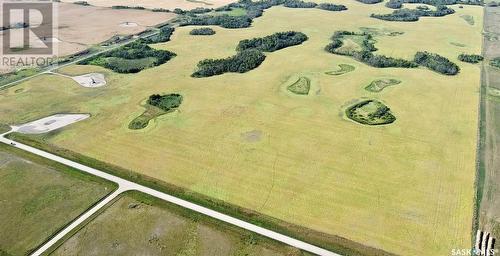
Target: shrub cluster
<point>414,14</point>
<point>240,63</point>
<point>495,62</point>
<point>394,4</point>
<point>162,36</point>
<point>436,63</point>
<point>470,58</point>
<point>370,1</point>
<point>273,42</point>
<point>130,58</point>
<point>120,7</point>
<point>84,3</point>
<point>299,4</point>
<point>331,7</point>
<point>202,32</point>
<point>165,102</point>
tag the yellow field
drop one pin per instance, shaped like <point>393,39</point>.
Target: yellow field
<point>406,188</point>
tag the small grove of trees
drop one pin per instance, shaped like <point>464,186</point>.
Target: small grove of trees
<point>165,102</point>
<point>163,35</point>
<point>470,58</point>
<point>242,62</point>
<point>414,14</point>
<point>202,31</point>
<point>299,4</point>
<point>332,7</point>
<point>394,4</point>
<point>436,63</point>
<point>224,21</point>
<point>130,58</point>
<point>370,1</point>
<point>273,42</point>
<point>83,3</point>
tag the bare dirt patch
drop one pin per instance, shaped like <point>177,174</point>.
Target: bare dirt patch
<point>151,4</point>
<point>49,123</point>
<point>80,27</point>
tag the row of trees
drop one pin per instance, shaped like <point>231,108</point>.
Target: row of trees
<point>165,102</point>
<point>370,1</point>
<point>224,21</point>
<point>436,63</point>
<point>202,32</point>
<point>332,7</point>
<point>242,62</point>
<point>414,14</point>
<point>470,58</point>
<point>273,42</point>
<point>299,4</point>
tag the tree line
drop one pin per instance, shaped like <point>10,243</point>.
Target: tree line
<point>436,63</point>
<point>250,54</point>
<point>470,58</point>
<point>253,10</point>
<point>272,42</point>
<point>414,14</point>
<point>240,63</point>
<point>202,32</point>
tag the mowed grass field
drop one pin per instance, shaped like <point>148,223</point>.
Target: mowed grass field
<point>37,199</point>
<point>406,188</point>
<point>140,224</point>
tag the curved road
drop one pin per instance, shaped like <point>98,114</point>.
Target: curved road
<point>124,185</point>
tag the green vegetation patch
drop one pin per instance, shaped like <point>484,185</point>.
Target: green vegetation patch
<point>380,32</point>
<point>495,62</point>
<point>156,106</point>
<point>163,36</point>
<point>458,44</point>
<point>202,32</point>
<point>39,197</point>
<point>4,128</point>
<point>379,84</point>
<point>470,58</point>
<point>273,42</point>
<point>16,75</point>
<point>332,7</point>
<point>370,112</point>
<point>242,62</point>
<point>436,63</point>
<point>361,47</point>
<point>468,18</point>
<point>301,86</point>
<point>343,69</point>
<point>130,58</point>
<point>414,14</point>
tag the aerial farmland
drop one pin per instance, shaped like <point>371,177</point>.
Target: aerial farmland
<point>350,125</point>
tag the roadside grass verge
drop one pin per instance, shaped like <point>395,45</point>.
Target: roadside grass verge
<point>40,197</point>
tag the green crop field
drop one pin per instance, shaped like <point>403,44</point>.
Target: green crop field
<point>141,223</point>
<point>38,198</point>
<point>406,187</point>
